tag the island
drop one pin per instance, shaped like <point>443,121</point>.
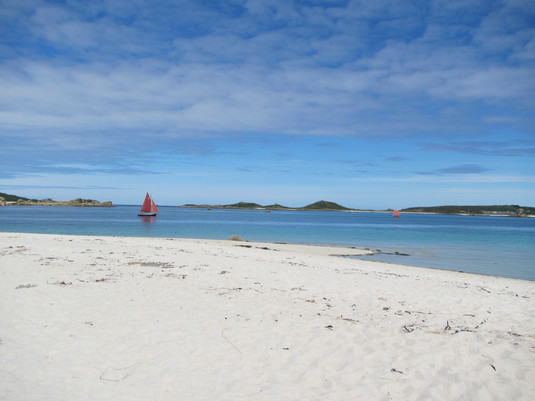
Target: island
<point>320,205</point>
<point>496,210</point>
<point>14,200</point>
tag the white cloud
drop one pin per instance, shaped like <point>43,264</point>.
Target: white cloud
<point>115,72</point>
<point>449,179</point>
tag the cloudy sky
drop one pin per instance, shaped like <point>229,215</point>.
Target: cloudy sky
<point>371,104</point>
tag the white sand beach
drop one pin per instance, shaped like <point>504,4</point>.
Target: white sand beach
<point>112,318</point>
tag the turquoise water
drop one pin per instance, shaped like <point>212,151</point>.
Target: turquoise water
<point>501,246</point>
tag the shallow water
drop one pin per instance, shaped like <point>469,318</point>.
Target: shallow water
<point>501,246</point>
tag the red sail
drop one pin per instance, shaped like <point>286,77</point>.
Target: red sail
<point>396,213</point>
<point>146,208</point>
<point>153,207</point>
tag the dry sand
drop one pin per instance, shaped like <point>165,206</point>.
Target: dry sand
<point>110,318</point>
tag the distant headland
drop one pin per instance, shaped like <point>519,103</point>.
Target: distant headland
<point>14,200</point>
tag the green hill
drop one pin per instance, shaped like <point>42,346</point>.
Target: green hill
<point>325,205</point>
<point>245,205</point>
<point>276,206</point>
<point>252,205</point>
<point>14,198</point>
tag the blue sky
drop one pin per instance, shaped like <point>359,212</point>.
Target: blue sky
<point>371,104</point>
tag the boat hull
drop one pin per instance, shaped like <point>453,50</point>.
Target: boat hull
<point>146,214</point>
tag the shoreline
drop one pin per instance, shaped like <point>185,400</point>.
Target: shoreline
<point>137,318</point>
<point>353,252</point>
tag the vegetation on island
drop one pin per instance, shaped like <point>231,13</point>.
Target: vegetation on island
<point>320,205</point>
<point>325,205</point>
<point>14,200</point>
<point>496,210</point>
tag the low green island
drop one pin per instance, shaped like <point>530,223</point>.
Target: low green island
<point>320,205</point>
<point>14,200</point>
<point>496,210</point>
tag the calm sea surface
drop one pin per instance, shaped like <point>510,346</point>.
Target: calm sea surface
<point>501,246</point>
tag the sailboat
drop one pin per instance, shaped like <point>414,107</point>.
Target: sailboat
<point>148,208</point>
<point>396,214</point>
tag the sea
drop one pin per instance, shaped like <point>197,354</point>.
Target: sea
<point>489,245</point>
